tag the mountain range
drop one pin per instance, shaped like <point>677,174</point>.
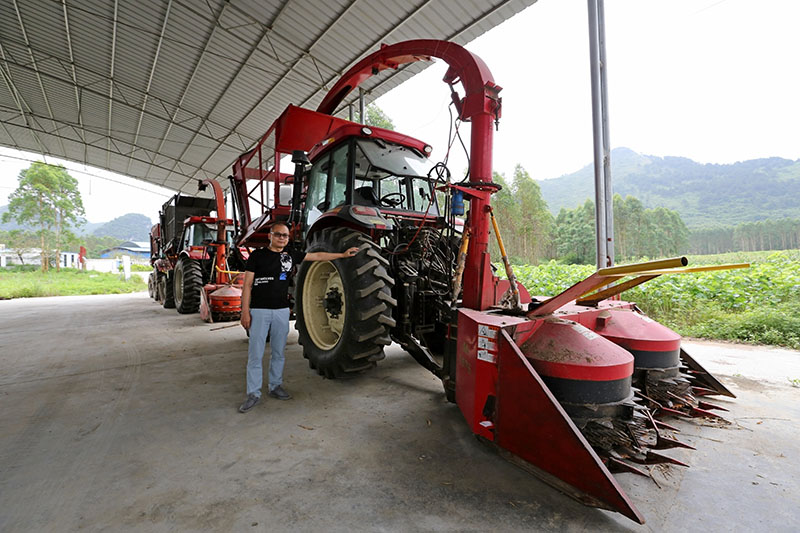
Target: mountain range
<point>705,195</point>
<point>129,227</point>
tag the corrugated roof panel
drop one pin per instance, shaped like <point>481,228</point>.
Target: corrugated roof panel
<point>147,19</point>
<point>15,136</point>
<point>26,84</point>
<point>133,59</point>
<point>197,152</point>
<point>176,64</point>
<point>96,153</point>
<point>51,143</point>
<point>258,10</point>
<point>211,80</point>
<point>152,131</point>
<point>259,75</point>
<point>62,100</point>
<point>240,25</point>
<point>44,26</point>
<point>119,157</point>
<point>259,121</point>
<point>7,101</point>
<point>242,81</point>
<point>91,34</point>
<point>73,148</point>
<point>123,122</point>
<point>94,109</point>
<point>8,21</point>
<point>25,137</point>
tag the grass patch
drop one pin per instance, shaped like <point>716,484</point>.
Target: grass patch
<point>778,325</point>
<point>24,283</point>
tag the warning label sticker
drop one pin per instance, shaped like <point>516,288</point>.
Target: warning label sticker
<point>487,331</point>
<point>483,342</point>
<point>484,355</point>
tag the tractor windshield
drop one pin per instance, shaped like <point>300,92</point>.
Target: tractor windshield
<point>393,176</point>
<point>393,158</point>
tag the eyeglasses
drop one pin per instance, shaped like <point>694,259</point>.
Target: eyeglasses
<point>281,235</point>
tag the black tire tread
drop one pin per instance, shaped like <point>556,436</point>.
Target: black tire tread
<point>192,285</point>
<point>368,288</point>
<point>168,301</point>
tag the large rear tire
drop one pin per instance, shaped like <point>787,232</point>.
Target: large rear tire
<point>165,293</point>
<point>188,282</point>
<point>344,307</point>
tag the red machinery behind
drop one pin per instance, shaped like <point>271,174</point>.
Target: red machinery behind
<point>190,257</point>
<point>221,297</point>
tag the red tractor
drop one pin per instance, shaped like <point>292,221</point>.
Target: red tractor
<point>569,387</point>
<point>190,252</point>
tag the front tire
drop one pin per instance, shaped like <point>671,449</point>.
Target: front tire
<point>188,282</point>
<point>344,307</point>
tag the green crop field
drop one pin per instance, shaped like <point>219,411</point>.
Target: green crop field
<point>27,282</point>
<point>760,304</point>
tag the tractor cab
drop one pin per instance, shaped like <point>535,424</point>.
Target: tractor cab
<point>369,176</point>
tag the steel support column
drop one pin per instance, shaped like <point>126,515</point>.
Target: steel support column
<point>604,207</point>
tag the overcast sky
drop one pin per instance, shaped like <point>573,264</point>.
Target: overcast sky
<point>716,81</point>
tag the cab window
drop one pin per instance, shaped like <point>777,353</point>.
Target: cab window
<point>338,182</point>
<point>315,194</point>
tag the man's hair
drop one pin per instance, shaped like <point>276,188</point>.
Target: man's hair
<point>284,224</point>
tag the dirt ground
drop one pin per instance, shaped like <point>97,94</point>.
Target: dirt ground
<point>116,414</point>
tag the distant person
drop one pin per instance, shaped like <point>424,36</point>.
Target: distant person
<point>265,309</point>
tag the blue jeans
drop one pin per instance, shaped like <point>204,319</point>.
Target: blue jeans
<point>276,323</point>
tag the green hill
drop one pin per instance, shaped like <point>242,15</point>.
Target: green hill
<point>131,227</point>
<point>705,195</point>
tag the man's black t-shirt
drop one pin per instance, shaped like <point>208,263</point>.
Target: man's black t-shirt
<point>271,277</point>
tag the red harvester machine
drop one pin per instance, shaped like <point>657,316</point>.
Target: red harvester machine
<point>571,387</point>
<point>190,254</point>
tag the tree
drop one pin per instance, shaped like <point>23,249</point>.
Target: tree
<point>19,241</point>
<point>48,198</point>
<point>523,217</point>
<point>376,117</point>
<point>575,234</point>
<point>537,222</point>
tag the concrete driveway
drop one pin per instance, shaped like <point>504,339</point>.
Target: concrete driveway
<point>117,414</point>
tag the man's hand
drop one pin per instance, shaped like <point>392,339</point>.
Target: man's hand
<point>245,320</point>
<point>350,252</point>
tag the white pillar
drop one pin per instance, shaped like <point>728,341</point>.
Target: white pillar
<point>126,266</point>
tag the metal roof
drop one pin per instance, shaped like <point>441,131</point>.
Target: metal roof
<point>171,91</point>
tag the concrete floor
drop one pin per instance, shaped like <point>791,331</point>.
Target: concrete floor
<point>116,414</point>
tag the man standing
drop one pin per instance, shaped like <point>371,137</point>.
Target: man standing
<point>265,309</point>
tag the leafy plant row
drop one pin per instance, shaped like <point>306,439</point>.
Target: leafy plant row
<point>758,304</point>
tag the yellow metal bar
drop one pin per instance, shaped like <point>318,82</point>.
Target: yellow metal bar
<point>616,289</point>
<point>497,233</point>
<point>602,282</point>
<point>512,279</point>
<point>647,275</point>
<point>707,268</point>
<point>228,271</point>
<point>461,263</point>
<point>646,266</point>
